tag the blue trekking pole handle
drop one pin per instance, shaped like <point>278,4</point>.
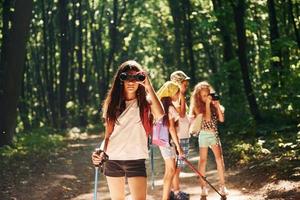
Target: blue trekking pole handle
<point>96,182</point>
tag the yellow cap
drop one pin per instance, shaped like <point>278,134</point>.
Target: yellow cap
<point>168,89</point>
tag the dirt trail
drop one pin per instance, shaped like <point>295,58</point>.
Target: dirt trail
<point>70,175</point>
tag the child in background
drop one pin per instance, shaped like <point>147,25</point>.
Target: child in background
<point>181,79</point>
<point>168,93</point>
<point>203,103</point>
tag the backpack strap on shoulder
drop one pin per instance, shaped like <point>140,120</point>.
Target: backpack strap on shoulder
<point>147,120</point>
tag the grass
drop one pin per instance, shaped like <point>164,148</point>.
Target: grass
<point>39,143</point>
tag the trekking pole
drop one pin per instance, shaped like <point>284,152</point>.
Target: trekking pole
<point>96,182</point>
<point>152,165</point>
<point>223,197</point>
<point>98,151</point>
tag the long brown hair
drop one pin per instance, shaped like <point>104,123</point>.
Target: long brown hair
<point>196,102</point>
<point>114,103</point>
<point>167,103</point>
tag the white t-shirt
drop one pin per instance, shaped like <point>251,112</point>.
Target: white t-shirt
<point>128,140</point>
<point>183,124</point>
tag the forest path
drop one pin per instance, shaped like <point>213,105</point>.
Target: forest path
<point>70,175</point>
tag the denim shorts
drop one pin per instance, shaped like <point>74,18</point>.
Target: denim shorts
<point>207,139</point>
<point>185,145</point>
<point>168,152</point>
<point>128,168</point>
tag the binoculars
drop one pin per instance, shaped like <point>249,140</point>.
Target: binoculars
<point>139,76</point>
<point>215,96</point>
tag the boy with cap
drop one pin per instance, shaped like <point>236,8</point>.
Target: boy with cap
<point>181,79</point>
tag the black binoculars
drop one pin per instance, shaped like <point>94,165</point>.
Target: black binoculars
<point>215,96</point>
<point>140,76</point>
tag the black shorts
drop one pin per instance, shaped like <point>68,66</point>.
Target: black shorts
<point>128,168</point>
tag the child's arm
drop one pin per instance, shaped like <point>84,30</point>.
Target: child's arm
<point>207,115</point>
<point>174,136</point>
<point>182,107</point>
<point>156,106</point>
<point>220,112</point>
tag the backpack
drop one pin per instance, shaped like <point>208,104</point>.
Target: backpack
<point>160,135</point>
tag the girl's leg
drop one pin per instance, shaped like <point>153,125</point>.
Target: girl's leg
<point>116,187</point>
<point>138,187</point>
<point>168,177</point>
<point>219,161</point>
<point>202,163</point>
<point>175,182</point>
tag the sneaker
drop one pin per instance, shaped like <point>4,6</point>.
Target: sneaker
<point>172,195</point>
<point>184,194</point>
<point>204,191</point>
<point>181,196</point>
<point>223,190</point>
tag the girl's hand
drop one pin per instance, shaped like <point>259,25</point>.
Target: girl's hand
<point>146,83</point>
<point>98,159</point>
<point>180,151</point>
<point>216,103</point>
<point>208,100</point>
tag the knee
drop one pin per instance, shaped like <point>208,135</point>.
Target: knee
<point>170,171</point>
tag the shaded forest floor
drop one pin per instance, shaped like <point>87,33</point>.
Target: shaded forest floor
<point>69,175</point>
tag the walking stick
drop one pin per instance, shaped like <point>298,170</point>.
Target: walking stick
<point>152,165</point>
<point>223,197</point>
<point>105,157</point>
<point>96,182</point>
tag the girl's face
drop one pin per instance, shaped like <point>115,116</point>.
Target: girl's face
<point>130,85</point>
<point>176,96</point>
<point>204,94</point>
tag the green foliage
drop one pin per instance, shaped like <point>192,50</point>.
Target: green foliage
<point>146,32</point>
<point>37,143</point>
<point>270,148</point>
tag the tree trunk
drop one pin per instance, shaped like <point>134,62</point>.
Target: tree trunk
<point>48,83</point>
<point>6,18</point>
<point>176,13</point>
<point>64,61</point>
<point>276,61</point>
<point>81,82</point>
<point>23,102</point>
<point>52,84</point>
<point>189,39</point>
<point>239,14</point>
<point>228,52</point>
<point>292,19</point>
<point>13,64</point>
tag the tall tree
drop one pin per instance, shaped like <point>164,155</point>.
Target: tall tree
<point>176,12</point>
<point>189,41</point>
<point>239,10</point>
<point>64,60</point>
<point>13,64</point>
<point>6,15</point>
<point>276,60</point>
<point>223,22</point>
<point>48,71</point>
<point>292,19</point>
<point>82,81</point>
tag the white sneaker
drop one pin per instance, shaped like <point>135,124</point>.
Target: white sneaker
<point>204,191</point>
<point>223,190</point>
